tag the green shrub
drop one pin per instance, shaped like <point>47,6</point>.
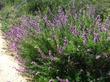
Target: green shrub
<point>66,46</point>
<point>64,49</point>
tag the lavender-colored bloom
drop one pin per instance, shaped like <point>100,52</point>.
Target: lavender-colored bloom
<point>98,22</point>
<point>15,33</point>
<point>98,19</point>
<point>21,69</point>
<point>35,25</point>
<point>61,19</point>
<point>57,22</point>
<point>85,38</point>
<point>48,22</point>
<point>28,23</point>
<point>74,31</point>
<point>96,37</point>
<point>13,46</point>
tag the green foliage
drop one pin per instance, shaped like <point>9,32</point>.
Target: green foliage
<point>78,62</point>
<point>45,6</point>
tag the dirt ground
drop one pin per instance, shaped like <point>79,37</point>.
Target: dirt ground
<point>8,73</point>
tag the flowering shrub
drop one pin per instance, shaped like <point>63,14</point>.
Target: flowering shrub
<point>63,48</point>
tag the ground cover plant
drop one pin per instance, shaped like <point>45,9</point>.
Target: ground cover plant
<point>63,42</point>
<point>63,48</point>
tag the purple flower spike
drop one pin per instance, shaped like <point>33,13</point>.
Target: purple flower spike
<point>85,38</point>
<point>99,23</point>
<point>48,22</point>
<point>96,37</point>
<point>35,25</point>
<point>74,31</point>
<point>57,22</point>
<point>13,46</point>
<point>98,19</point>
<point>16,34</point>
<point>63,17</point>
